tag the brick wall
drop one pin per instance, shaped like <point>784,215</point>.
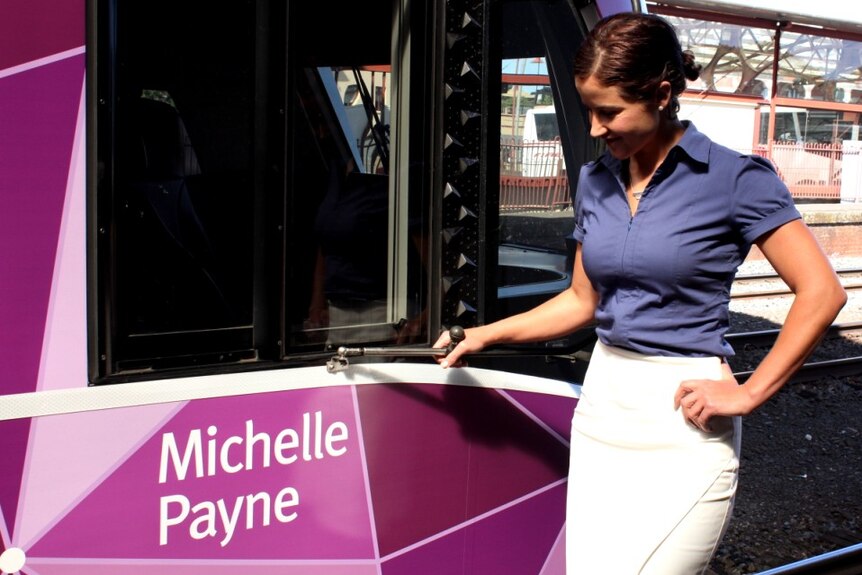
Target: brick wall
<point>838,231</point>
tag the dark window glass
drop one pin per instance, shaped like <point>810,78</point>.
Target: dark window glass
<point>246,200</point>
<point>182,185</point>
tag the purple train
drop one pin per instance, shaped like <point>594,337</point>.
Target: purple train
<point>203,204</point>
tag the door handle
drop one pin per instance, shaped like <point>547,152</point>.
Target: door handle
<point>340,361</point>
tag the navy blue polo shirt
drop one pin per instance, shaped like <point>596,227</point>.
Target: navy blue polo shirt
<point>663,276</point>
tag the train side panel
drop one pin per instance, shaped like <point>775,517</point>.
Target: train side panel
<point>42,235</point>
<point>357,472</point>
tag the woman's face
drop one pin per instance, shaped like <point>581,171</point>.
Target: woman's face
<point>627,127</point>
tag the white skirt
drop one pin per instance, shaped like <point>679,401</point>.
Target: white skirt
<point>648,493</point>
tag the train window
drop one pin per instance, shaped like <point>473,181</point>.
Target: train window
<point>543,139</point>
<point>543,142</point>
<point>176,159</point>
<point>354,231</point>
<point>245,199</point>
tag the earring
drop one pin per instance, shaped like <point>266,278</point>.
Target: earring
<point>660,108</point>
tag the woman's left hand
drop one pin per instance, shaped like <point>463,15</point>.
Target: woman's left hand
<point>702,399</point>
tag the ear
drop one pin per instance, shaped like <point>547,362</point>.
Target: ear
<point>663,94</point>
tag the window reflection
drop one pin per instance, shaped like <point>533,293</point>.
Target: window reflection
<point>735,59</point>
<point>340,167</point>
<point>542,131</point>
<point>180,196</point>
<point>820,68</point>
<point>532,168</point>
<point>739,60</point>
<point>340,224</point>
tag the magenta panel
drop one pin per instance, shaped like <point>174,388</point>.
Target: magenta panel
<point>557,415</point>
<point>38,112</point>
<point>13,447</point>
<point>447,454</point>
<point>34,29</point>
<point>377,479</point>
<point>247,504</point>
<point>515,541</point>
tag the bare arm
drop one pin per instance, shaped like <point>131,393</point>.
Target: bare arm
<point>818,297</point>
<point>559,316</point>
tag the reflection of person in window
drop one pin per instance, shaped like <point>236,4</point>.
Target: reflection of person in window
<point>351,274</point>
<point>349,295</point>
<point>350,277</point>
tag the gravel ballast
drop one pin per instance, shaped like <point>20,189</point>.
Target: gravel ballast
<point>800,489</point>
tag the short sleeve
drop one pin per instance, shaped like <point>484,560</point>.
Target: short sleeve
<point>580,231</point>
<point>762,201</point>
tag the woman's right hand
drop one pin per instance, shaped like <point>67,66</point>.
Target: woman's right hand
<point>471,343</point>
<point>564,313</point>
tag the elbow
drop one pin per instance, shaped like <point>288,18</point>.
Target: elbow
<point>840,299</point>
<point>834,298</point>
<point>824,300</point>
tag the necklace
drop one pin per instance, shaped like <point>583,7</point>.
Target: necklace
<point>630,187</point>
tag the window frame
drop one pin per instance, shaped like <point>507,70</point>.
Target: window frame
<point>269,341</point>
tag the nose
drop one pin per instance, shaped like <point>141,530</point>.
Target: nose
<point>597,129</point>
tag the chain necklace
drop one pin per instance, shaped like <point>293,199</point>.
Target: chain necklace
<point>629,185</point>
<point>636,194</point>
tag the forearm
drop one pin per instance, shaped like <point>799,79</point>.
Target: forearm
<point>557,317</point>
<point>561,315</point>
<point>809,317</point>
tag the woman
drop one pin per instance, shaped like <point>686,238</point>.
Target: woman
<point>663,220</point>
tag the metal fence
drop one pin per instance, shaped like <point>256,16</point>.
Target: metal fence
<point>533,174</point>
<point>812,171</point>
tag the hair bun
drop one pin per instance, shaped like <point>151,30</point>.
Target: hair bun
<point>690,68</point>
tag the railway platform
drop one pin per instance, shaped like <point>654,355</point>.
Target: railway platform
<point>837,226</point>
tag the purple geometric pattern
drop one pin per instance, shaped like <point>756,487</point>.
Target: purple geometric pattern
<point>383,479</point>
<point>515,541</point>
<point>39,114</point>
<point>40,118</point>
<point>35,29</point>
<point>447,454</point>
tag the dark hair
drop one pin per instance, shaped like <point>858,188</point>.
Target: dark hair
<point>636,53</point>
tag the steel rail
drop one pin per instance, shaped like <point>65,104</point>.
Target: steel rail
<point>767,336</point>
<point>783,290</point>
<point>775,276</point>
<point>846,561</point>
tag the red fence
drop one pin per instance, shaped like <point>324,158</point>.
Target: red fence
<point>811,171</point>
<point>533,175</point>
<point>523,192</point>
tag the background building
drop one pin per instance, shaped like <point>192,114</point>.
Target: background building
<point>785,84</point>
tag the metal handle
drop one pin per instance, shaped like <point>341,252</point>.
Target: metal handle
<point>339,361</point>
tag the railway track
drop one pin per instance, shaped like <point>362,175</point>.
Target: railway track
<point>770,285</point>
<point>813,369</point>
<point>801,460</point>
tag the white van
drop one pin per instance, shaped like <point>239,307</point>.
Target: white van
<point>542,154</point>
